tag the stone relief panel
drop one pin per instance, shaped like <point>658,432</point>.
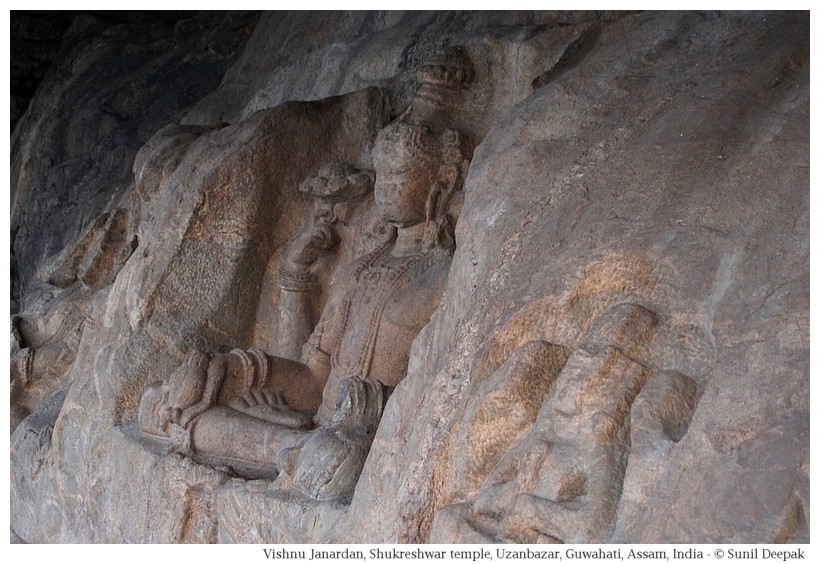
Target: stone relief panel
<point>46,335</point>
<point>311,413</point>
<point>243,409</point>
<point>298,351</point>
<point>207,212</point>
<point>562,479</point>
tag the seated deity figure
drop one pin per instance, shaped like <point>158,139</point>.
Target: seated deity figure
<point>248,410</point>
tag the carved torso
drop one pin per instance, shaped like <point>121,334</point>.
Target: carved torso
<point>369,331</point>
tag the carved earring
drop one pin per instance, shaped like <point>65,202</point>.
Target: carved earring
<point>430,237</point>
<point>431,203</point>
<point>448,183</point>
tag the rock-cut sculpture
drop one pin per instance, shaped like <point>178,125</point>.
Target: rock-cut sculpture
<point>315,418</point>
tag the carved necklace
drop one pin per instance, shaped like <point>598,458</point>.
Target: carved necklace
<point>388,280</point>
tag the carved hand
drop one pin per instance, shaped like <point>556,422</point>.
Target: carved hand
<point>185,416</point>
<point>194,386</point>
<point>305,250</point>
<point>359,406</point>
<point>270,406</point>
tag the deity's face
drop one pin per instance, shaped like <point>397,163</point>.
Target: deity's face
<point>403,184</point>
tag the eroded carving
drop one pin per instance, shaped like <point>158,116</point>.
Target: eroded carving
<point>503,407</point>
<point>444,77</point>
<point>660,418</point>
<point>562,482</point>
<point>46,336</point>
<point>252,411</point>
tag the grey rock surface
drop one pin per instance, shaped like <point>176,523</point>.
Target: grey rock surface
<point>653,162</point>
<point>111,86</point>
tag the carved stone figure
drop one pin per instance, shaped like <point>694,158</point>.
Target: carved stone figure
<point>563,481</point>
<point>336,185</point>
<point>326,464</point>
<point>502,409</point>
<point>243,409</point>
<point>46,336</point>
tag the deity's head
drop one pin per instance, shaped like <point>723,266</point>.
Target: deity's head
<point>417,172</point>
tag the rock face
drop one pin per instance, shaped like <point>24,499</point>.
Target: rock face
<point>619,345</point>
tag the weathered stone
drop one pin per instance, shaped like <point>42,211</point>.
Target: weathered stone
<point>616,349</point>
<point>112,85</point>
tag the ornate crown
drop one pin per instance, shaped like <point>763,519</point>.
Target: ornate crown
<point>448,68</point>
<point>416,140</point>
